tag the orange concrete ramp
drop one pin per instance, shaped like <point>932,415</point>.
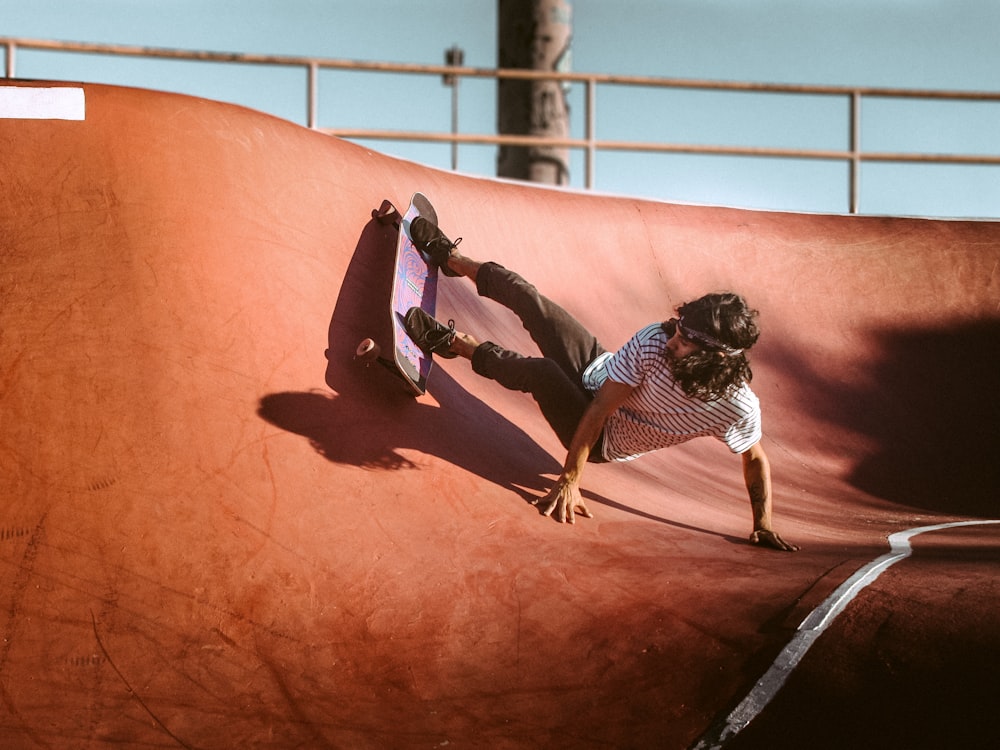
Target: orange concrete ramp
<point>218,531</point>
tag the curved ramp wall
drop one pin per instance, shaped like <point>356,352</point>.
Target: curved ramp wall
<point>218,529</point>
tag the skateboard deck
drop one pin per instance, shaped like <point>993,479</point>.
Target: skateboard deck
<point>414,284</point>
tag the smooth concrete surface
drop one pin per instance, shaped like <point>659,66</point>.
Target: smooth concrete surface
<point>219,531</point>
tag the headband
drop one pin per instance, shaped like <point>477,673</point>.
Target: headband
<point>704,338</point>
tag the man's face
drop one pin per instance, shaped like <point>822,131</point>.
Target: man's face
<point>679,346</point>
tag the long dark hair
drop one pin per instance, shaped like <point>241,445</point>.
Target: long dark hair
<point>724,326</point>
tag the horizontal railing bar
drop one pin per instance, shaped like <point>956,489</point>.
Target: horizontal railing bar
<point>688,148</point>
<point>472,72</point>
<point>581,143</point>
<point>930,158</point>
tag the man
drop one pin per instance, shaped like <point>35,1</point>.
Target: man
<point>673,381</point>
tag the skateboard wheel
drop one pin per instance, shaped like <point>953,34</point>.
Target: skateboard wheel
<point>386,213</point>
<point>367,351</point>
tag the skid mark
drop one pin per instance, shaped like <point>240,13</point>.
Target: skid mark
<point>13,533</point>
<point>91,660</point>
<point>101,484</point>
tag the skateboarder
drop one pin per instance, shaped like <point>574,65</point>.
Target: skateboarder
<point>673,381</point>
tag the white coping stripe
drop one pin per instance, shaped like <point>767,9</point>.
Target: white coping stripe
<point>814,624</point>
<point>49,103</point>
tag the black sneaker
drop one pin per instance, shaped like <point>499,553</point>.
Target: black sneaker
<point>432,241</point>
<point>428,334</point>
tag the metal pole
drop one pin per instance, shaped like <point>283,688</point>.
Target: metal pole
<point>454,57</point>
<point>454,126</point>
<point>11,47</point>
<point>591,134</point>
<point>313,83</point>
<point>855,177</point>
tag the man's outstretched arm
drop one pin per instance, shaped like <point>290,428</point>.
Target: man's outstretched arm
<point>564,500</point>
<point>757,474</point>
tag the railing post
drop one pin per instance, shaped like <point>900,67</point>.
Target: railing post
<point>454,127</point>
<point>455,56</point>
<point>591,136</point>
<point>854,198</point>
<point>9,65</point>
<point>313,94</point>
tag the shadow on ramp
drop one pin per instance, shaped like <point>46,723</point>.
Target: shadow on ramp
<point>927,403</point>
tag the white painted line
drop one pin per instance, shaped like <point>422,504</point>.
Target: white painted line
<point>816,622</point>
<point>34,103</point>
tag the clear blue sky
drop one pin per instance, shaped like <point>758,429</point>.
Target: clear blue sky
<point>935,44</point>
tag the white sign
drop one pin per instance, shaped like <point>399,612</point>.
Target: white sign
<point>32,103</point>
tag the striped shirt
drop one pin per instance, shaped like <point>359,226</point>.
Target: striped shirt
<point>657,414</point>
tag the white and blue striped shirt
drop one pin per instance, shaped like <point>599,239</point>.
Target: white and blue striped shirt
<point>657,414</point>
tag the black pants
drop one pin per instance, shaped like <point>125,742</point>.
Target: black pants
<point>554,380</point>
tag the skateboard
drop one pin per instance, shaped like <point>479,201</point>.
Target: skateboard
<point>414,284</point>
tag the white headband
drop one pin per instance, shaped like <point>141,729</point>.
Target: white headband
<point>704,338</point>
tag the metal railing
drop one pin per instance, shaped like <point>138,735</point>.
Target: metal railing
<point>590,144</point>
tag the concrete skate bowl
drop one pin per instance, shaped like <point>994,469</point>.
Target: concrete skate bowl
<point>219,530</point>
